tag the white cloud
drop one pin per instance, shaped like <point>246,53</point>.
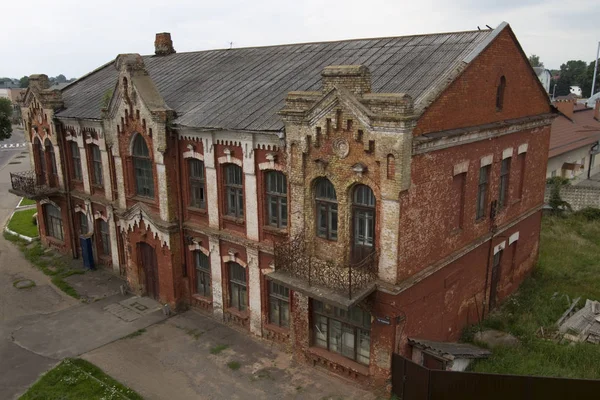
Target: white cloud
<point>74,37</point>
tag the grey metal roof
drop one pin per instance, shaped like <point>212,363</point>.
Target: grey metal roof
<point>245,88</point>
<point>458,350</point>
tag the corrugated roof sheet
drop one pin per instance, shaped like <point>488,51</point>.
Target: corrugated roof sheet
<point>245,88</point>
<point>567,135</point>
<point>459,350</point>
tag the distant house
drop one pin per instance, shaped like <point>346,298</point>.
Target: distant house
<point>544,76</point>
<point>574,141</point>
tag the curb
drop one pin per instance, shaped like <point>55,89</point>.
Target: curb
<point>10,232</point>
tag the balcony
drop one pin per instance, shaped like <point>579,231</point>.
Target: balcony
<point>25,184</point>
<point>341,283</point>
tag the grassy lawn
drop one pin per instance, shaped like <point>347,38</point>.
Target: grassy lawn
<point>78,379</point>
<point>26,202</point>
<point>50,264</point>
<point>22,222</point>
<point>569,265</point>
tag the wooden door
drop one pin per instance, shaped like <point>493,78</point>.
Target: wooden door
<point>150,267</point>
<point>495,278</point>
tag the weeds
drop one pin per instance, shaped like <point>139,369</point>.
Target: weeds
<point>234,365</point>
<point>135,334</point>
<point>218,348</point>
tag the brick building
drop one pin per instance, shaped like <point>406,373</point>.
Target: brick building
<point>335,197</point>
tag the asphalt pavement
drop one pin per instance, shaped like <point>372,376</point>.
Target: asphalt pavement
<point>15,145</point>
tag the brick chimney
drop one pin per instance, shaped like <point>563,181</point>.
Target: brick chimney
<point>356,78</point>
<point>39,81</point>
<point>566,107</point>
<point>163,45</point>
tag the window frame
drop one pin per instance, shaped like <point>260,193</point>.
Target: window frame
<point>143,169</point>
<point>50,151</point>
<point>282,301</point>
<point>276,196</point>
<point>203,271</point>
<point>82,218</point>
<point>241,303</point>
<point>104,237</point>
<point>326,206</point>
<point>76,162</point>
<point>54,223</point>
<point>327,317</point>
<point>198,182</point>
<point>234,190</point>
<point>482,192</point>
<point>97,173</point>
<point>504,183</point>
<point>41,158</point>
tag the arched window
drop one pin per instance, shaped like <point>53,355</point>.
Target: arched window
<point>50,151</point>
<point>104,237</point>
<point>277,208</point>
<point>97,166</point>
<point>234,191</point>
<point>197,182</point>
<point>363,220</point>
<point>500,94</point>
<point>142,165</point>
<point>54,222</point>
<point>327,210</point>
<point>40,161</point>
<point>76,159</point>
<point>202,264</point>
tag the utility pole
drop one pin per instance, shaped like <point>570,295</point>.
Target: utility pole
<point>595,70</point>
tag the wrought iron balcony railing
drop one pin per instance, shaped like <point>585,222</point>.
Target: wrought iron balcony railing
<point>296,259</point>
<point>26,184</point>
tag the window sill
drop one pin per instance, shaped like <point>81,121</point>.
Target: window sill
<point>238,313</point>
<point>340,360</point>
<point>277,329</point>
<point>197,210</point>
<point>275,231</point>
<point>235,220</point>
<point>202,299</point>
<point>55,241</point>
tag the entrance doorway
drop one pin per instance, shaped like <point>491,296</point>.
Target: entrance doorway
<point>147,257</point>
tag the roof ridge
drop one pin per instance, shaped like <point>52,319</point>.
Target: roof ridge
<point>324,41</point>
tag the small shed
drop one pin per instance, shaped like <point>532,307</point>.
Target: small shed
<point>445,356</point>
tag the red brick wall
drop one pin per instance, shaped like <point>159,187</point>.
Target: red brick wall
<point>439,307</point>
<point>471,99</point>
<point>426,232</point>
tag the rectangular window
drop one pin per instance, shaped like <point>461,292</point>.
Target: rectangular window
<point>279,305</point>
<point>197,181</point>
<point>97,165</point>
<point>234,191</point>
<point>76,158</point>
<point>237,286</point>
<point>202,265</point>
<point>54,222</point>
<point>482,189</point>
<point>504,181</point>
<point>344,332</point>
<point>522,161</point>
<point>276,199</point>
<point>104,237</point>
<point>458,198</point>
<point>83,224</point>
<point>553,174</point>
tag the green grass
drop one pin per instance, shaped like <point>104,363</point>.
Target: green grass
<point>218,348</point>
<point>135,334</point>
<point>78,379</point>
<point>50,264</point>
<point>26,202</point>
<point>569,265</point>
<point>234,365</point>
<point>22,222</point>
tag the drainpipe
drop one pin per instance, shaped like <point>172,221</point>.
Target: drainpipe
<point>593,149</point>
<point>493,229</point>
<point>67,181</point>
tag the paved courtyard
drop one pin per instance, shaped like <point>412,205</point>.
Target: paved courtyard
<point>174,360</point>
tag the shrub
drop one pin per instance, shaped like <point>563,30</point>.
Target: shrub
<point>589,213</point>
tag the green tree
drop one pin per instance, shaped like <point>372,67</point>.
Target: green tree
<point>573,72</point>
<point>5,114</point>
<point>586,85</point>
<point>61,78</point>
<point>24,82</point>
<point>535,61</point>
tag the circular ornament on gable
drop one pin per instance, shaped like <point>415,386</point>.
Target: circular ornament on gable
<point>341,147</point>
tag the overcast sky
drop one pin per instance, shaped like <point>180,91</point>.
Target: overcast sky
<point>73,37</point>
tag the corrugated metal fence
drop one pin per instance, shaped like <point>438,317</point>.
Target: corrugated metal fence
<point>411,381</point>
